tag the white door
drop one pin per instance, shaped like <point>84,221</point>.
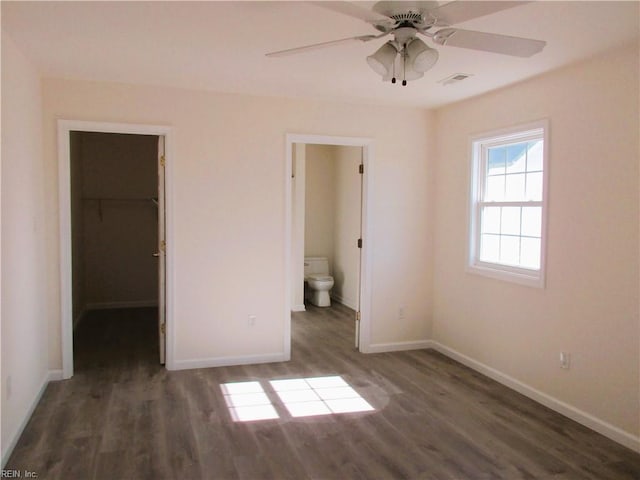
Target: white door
<point>161,254</point>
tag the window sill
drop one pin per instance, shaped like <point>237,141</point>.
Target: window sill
<point>535,279</point>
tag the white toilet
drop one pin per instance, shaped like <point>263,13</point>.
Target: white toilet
<point>319,282</point>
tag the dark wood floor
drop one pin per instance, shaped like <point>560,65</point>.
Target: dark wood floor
<point>122,416</point>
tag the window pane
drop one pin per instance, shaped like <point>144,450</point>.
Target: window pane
<point>490,248</point>
<point>496,160</point>
<point>532,221</point>
<point>509,250</point>
<point>507,204</point>
<point>534,186</point>
<point>495,189</point>
<point>514,188</point>
<point>491,220</point>
<point>510,221</point>
<point>530,253</point>
<point>534,156</point>
<point>516,158</point>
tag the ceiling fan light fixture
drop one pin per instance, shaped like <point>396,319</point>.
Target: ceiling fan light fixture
<point>410,73</point>
<point>402,71</point>
<point>381,62</point>
<point>421,56</point>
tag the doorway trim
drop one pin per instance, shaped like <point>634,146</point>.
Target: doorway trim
<point>65,127</point>
<point>364,334</point>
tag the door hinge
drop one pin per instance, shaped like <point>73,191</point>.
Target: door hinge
<point>163,246</point>
<point>357,316</point>
<point>163,328</point>
<point>361,168</point>
<point>162,160</point>
<point>359,243</point>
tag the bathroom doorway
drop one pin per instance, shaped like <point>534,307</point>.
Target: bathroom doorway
<point>327,207</point>
<point>113,225</point>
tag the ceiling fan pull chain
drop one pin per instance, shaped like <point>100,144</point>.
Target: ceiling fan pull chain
<point>404,65</point>
<point>393,78</point>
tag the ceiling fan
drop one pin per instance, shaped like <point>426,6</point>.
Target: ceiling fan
<point>407,57</point>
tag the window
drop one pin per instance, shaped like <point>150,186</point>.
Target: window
<point>508,206</point>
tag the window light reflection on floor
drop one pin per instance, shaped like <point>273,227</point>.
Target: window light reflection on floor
<point>303,397</point>
<point>248,401</point>
<point>319,396</point>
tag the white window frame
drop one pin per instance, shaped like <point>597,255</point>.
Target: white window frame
<point>521,133</point>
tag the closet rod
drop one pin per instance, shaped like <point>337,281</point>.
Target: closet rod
<point>114,199</point>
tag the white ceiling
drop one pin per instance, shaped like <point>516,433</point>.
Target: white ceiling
<point>221,46</point>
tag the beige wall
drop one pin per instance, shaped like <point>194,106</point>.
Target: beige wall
<point>27,276</point>
<point>228,203</point>
<point>346,227</point>
<point>320,192</point>
<point>590,304</point>
<point>119,221</point>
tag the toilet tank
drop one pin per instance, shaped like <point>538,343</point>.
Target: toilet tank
<point>317,265</point>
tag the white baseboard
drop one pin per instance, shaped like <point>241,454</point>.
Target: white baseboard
<point>123,304</point>
<point>614,433</point>
<point>228,361</point>
<point>345,301</point>
<point>298,308</point>
<point>50,376</point>
<point>397,346</point>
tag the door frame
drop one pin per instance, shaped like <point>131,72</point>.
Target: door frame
<point>65,127</point>
<point>366,227</point>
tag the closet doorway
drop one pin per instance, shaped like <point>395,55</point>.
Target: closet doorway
<point>113,243</point>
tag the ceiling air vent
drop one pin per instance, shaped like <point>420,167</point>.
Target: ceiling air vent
<point>455,78</point>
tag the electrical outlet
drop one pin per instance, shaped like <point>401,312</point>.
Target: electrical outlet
<point>252,320</point>
<point>565,360</point>
<point>401,313</point>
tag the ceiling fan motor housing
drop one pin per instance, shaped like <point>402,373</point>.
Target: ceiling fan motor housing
<point>405,14</point>
<point>403,35</point>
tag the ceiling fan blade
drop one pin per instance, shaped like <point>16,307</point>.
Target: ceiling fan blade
<point>488,42</point>
<point>457,12</point>
<point>316,46</point>
<point>353,10</point>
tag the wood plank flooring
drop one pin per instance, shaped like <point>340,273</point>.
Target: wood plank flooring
<point>123,416</point>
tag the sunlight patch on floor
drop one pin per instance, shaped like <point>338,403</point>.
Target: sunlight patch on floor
<point>248,401</point>
<point>302,397</point>
<point>319,396</point>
